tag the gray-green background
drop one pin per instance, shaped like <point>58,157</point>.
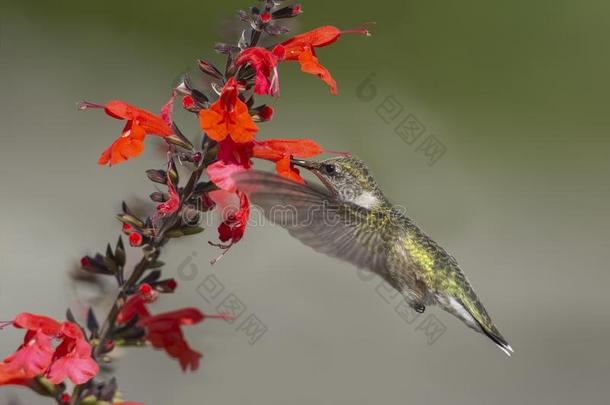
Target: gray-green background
<point>518,93</point>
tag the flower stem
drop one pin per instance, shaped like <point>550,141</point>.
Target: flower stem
<point>150,256</point>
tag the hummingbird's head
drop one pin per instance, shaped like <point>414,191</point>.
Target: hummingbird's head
<point>348,178</point>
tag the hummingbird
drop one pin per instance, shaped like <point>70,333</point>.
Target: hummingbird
<point>350,218</point>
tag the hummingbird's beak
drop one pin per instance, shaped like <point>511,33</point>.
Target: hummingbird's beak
<point>306,164</point>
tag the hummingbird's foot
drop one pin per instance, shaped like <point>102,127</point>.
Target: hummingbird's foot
<point>419,308</point>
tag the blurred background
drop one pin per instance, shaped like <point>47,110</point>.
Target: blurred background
<point>515,95</point>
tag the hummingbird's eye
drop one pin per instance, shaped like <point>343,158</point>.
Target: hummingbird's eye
<point>330,169</point>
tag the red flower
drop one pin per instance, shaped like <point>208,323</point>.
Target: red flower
<point>172,204</point>
<point>32,322</point>
<point>228,116</point>
<point>72,358</point>
<point>233,227</point>
<point>282,150</point>
<point>139,124</point>
<point>37,356</point>
<point>12,378</point>
<point>232,158</point>
<point>264,63</point>
<point>301,48</point>
<point>163,330</point>
<point>33,357</point>
<point>135,305</point>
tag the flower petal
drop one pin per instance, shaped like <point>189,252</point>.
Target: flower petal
<point>46,325</point>
<point>220,174</point>
<point>310,64</point>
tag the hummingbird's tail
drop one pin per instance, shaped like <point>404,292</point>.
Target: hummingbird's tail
<point>471,311</point>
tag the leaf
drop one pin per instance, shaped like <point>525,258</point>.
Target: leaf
<point>151,277</point>
<point>210,69</point>
<point>119,253</point>
<point>199,97</point>
<point>132,333</point>
<point>111,265</point>
<point>172,172</point>
<point>92,323</point>
<point>131,220</point>
<point>156,264</point>
<point>126,209</point>
<point>95,265</point>
<point>179,140</point>
<point>192,230</point>
<point>108,391</point>
<point>70,316</point>
<point>174,233</point>
<point>276,29</point>
<point>110,253</point>
<point>157,176</point>
<point>159,197</point>
<point>204,187</point>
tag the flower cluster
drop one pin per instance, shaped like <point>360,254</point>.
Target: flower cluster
<point>228,115</point>
<point>37,356</point>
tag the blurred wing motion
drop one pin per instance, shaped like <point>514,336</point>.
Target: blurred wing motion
<point>312,215</point>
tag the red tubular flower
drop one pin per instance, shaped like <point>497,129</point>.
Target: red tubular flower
<point>139,124</point>
<point>173,202</point>
<point>163,332</point>
<point>233,227</point>
<point>33,357</point>
<point>37,356</point>
<point>282,150</point>
<point>12,378</point>
<point>228,116</point>
<point>301,48</point>
<point>72,358</point>
<point>265,64</point>
<point>232,158</point>
<point>32,322</point>
<point>135,305</point>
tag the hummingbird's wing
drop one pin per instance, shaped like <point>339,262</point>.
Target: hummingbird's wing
<point>312,215</point>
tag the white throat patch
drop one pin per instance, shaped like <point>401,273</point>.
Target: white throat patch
<point>366,200</point>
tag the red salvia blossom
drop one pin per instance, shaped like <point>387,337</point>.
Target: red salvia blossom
<point>139,124</point>
<point>173,202</point>
<point>163,330</point>
<point>265,64</point>
<point>234,225</point>
<point>72,358</point>
<point>134,306</point>
<point>232,158</point>
<point>301,48</point>
<point>37,356</point>
<point>228,116</point>
<point>12,378</point>
<point>282,150</point>
<point>34,356</point>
